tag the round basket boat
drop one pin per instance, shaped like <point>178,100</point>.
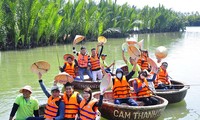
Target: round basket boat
<point>176,94</point>
<point>111,111</point>
<point>86,83</point>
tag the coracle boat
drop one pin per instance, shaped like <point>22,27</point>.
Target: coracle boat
<point>176,94</point>
<point>82,84</point>
<point>86,82</point>
<point>111,111</point>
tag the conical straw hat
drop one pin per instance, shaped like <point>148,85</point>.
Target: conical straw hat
<point>78,38</point>
<point>153,65</point>
<point>63,78</point>
<point>131,41</point>
<point>68,55</point>
<point>161,52</point>
<point>134,52</point>
<point>141,44</point>
<point>102,39</point>
<point>40,66</point>
<point>125,47</point>
<point>105,82</point>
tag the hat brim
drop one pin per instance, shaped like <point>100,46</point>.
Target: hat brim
<point>78,38</point>
<point>63,78</point>
<point>40,66</point>
<point>106,82</point>
<point>21,90</point>
<point>131,41</point>
<point>102,39</point>
<point>134,52</point>
<point>68,55</point>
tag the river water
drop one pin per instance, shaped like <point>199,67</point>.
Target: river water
<point>183,57</point>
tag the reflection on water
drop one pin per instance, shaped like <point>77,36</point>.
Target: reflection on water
<point>175,111</point>
<point>183,57</point>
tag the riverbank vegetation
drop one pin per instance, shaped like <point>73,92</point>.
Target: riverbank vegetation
<point>30,23</point>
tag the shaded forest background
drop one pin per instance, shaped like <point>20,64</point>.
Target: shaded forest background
<point>27,24</point>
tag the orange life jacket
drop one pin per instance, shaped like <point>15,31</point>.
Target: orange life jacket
<point>121,89</point>
<point>95,62</point>
<point>71,105</point>
<point>144,92</point>
<point>69,68</point>
<point>162,76</point>
<point>82,60</point>
<point>143,64</point>
<point>51,109</point>
<point>86,111</point>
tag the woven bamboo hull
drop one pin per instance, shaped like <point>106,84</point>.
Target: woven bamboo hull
<point>176,95</point>
<point>83,84</point>
<point>111,111</point>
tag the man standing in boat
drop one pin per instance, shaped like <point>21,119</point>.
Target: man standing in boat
<point>121,88</point>
<point>83,62</point>
<point>95,63</point>
<point>25,105</point>
<point>72,100</point>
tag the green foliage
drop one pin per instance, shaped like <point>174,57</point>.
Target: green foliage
<point>31,23</point>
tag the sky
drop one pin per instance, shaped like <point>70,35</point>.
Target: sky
<point>176,5</point>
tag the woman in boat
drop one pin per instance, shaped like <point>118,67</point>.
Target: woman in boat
<point>162,77</point>
<point>95,63</point>
<point>70,66</point>
<point>142,90</point>
<point>121,87</point>
<point>130,65</point>
<point>55,107</point>
<point>88,109</point>
<point>72,100</point>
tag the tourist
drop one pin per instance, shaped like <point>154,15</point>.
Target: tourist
<point>142,90</point>
<point>88,109</point>
<point>55,107</point>
<point>25,105</point>
<point>121,88</point>
<point>142,62</point>
<point>105,66</point>
<point>72,100</point>
<point>70,66</point>
<point>130,65</point>
<point>83,62</point>
<point>162,81</point>
<point>95,64</point>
